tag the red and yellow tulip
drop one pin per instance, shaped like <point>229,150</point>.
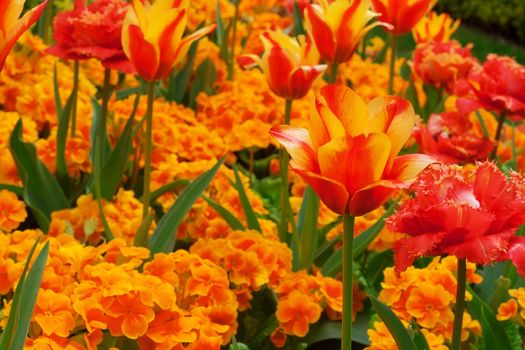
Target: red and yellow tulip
<point>435,27</point>
<point>12,27</point>
<point>402,15</point>
<point>291,66</point>
<point>349,153</point>
<point>338,27</point>
<point>152,36</point>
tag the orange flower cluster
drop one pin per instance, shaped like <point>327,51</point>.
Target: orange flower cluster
<point>250,259</point>
<point>12,211</point>
<point>513,309</point>
<point>301,298</point>
<point>426,296</point>
<point>123,214</point>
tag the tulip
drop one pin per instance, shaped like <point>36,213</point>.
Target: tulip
<point>435,27</point>
<point>337,28</point>
<point>12,27</point>
<point>152,37</point>
<point>349,153</point>
<point>290,66</point>
<point>152,40</point>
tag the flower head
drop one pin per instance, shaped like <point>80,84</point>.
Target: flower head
<point>402,15</point>
<point>12,27</point>
<point>92,31</point>
<point>338,26</point>
<point>12,211</point>
<point>435,27</point>
<point>472,217</point>
<point>349,153</point>
<point>152,36</point>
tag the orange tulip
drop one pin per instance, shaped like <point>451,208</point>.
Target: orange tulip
<point>338,27</point>
<point>349,153</point>
<point>11,27</point>
<point>290,66</point>
<point>403,15</point>
<point>435,27</point>
<point>152,36</point>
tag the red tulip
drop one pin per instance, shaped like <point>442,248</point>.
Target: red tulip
<point>471,216</point>
<point>402,15</point>
<point>349,153</point>
<point>92,31</point>
<point>12,27</point>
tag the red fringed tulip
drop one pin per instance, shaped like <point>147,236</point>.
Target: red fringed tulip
<point>435,27</point>
<point>402,15</point>
<point>92,31</point>
<point>498,85</point>
<point>12,27</point>
<point>471,216</point>
<point>152,36</point>
<point>450,138</point>
<point>338,26</point>
<point>291,67</point>
<point>349,153</point>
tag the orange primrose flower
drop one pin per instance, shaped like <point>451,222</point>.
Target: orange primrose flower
<point>348,154</point>
<point>402,15</point>
<point>152,36</point>
<point>290,66</point>
<point>338,26</point>
<point>11,27</point>
<point>434,27</point>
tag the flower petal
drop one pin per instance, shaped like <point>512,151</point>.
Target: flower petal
<point>409,249</point>
<point>298,144</point>
<point>143,55</point>
<point>332,193</point>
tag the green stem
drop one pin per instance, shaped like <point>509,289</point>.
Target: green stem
<point>393,53</point>
<point>106,94</point>
<point>348,280</point>
<point>332,78</point>
<point>234,38</point>
<point>76,69</point>
<point>284,159</point>
<point>460,304</point>
<point>47,22</point>
<point>499,129</point>
<point>149,144</point>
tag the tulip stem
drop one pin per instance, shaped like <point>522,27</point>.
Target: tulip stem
<point>284,159</point>
<point>499,129</point>
<point>332,78</point>
<point>47,23</point>
<point>348,279</point>
<point>149,142</point>
<point>76,69</point>
<point>460,303</point>
<point>393,53</point>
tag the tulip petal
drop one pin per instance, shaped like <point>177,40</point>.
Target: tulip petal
<point>249,61</point>
<point>169,41</point>
<point>407,250</point>
<point>144,55</point>
<point>321,33</point>
<point>280,68</point>
<point>302,78</point>
<point>356,162</point>
<point>186,42</point>
<point>347,106</point>
<point>517,254</point>
<point>332,193</point>
<point>406,167</point>
<point>298,145</point>
<point>482,249</point>
<point>10,10</point>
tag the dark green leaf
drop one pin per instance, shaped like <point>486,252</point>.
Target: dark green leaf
<point>179,81</point>
<point>205,78</point>
<point>419,338</point>
<point>62,131</point>
<point>141,237</point>
<point>105,146</point>
<point>163,239</point>
<point>394,325</point>
<point>307,231</point>
<point>13,188</point>
<point>58,101</point>
<point>251,218</point>
<point>234,223</point>
<point>167,188</point>
<point>297,20</point>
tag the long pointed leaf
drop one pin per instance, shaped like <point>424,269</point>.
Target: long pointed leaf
<point>163,239</point>
<point>234,223</point>
<point>307,232</point>
<point>61,138</point>
<point>251,218</point>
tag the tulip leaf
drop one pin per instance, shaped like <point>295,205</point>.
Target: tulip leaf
<point>419,338</point>
<point>334,263</point>
<point>325,330</point>
<point>42,193</point>
<point>230,219</point>
<point>205,78</point>
<point>222,34</point>
<point>179,81</point>
<point>297,19</point>
<point>58,101</point>
<point>305,241</point>
<point>167,188</point>
<point>105,147</point>
<point>141,237</point>
<point>61,138</point>
<point>394,325</point>
<point>97,190</point>
<point>251,217</point>
<point>13,188</point>
<point>163,239</point>
<point>14,335</point>
<point>113,169</point>
<point>494,335</point>
<point>376,263</point>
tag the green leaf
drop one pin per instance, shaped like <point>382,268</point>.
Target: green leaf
<point>234,223</point>
<point>13,188</point>
<point>141,237</point>
<point>297,20</point>
<point>62,131</point>
<point>58,103</point>
<point>307,232</point>
<point>15,333</point>
<point>205,78</point>
<point>325,330</point>
<point>334,263</point>
<point>251,218</point>
<point>167,188</point>
<point>412,96</point>
<point>494,335</point>
<point>179,81</point>
<point>163,239</point>
<point>97,190</point>
<point>419,338</point>
<point>237,346</point>
<point>222,34</point>
<point>42,193</point>
<point>376,263</point>
<point>394,325</point>
<point>265,330</point>
<point>115,166</point>
<point>105,147</point>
